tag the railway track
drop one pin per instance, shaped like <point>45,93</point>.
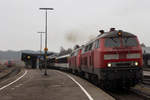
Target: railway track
<point>119,94</point>
<point>146,80</point>
<point>13,72</point>
<point>125,94</point>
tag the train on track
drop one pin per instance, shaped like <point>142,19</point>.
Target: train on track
<point>112,59</point>
<point>146,60</point>
<point>9,63</point>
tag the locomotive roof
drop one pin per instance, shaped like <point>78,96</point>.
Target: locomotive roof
<point>109,34</point>
<point>112,34</point>
<point>115,34</point>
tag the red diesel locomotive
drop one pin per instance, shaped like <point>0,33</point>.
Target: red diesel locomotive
<point>112,59</point>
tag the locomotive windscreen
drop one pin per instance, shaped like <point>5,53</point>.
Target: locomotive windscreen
<point>112,42</point>
<point>129,41</point>
<point>125,41</point>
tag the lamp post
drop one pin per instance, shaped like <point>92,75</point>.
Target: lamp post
<point>46,49</point>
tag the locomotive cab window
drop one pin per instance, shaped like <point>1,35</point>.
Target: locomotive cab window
<point>97,44</point>
<point>112,42</point>
<point>129,41</point>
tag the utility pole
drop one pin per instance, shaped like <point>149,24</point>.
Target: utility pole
<point>46,49</point>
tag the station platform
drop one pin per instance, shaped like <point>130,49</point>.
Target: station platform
<point>55,86</point>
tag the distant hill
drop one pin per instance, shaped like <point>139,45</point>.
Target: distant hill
<point>9,55</point>
<point>15,55</point>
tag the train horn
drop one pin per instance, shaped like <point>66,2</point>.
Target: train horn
<point>112,29</point>
<point>101,31</point>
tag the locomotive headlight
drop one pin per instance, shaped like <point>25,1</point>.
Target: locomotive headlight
<point>136,63</point>
<point>109,65</point>
<point>111,56</point>
<point>133,56</point>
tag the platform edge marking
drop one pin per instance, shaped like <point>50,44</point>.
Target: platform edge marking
<point>82,88</point>
<point>14,81</point>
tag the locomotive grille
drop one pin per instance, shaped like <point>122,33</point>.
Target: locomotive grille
<point>122,64</point>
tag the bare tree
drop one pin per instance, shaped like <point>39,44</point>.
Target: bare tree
<point>143,45</point>
<point>64,51</point>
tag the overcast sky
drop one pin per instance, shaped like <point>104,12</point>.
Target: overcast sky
<point>20,20</point>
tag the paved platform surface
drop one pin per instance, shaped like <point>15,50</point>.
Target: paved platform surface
<point>56,86</point>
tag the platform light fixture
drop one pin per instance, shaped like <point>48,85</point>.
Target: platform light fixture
<point>45,73</point>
